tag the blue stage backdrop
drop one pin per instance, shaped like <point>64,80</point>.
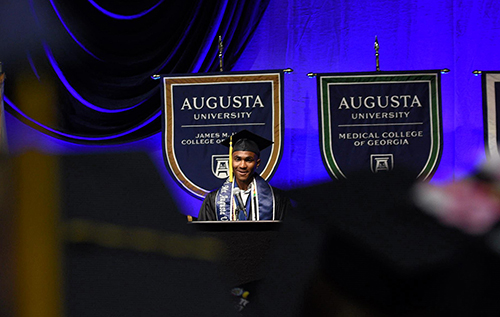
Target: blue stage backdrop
<point>338,36</point>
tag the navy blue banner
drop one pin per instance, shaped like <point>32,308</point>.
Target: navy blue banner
<point>491,111</point>
<point>200,111</point>
<point>380,122</point>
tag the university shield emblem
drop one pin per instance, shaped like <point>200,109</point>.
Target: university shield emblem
<point>380,122</point>
<point>201,110</point>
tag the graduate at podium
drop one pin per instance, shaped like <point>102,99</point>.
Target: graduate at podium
<point>244,195</point>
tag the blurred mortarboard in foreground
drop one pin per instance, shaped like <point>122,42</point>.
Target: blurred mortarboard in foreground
<point>129,251</point>
<point>247,141</point>
<point>379,250</point>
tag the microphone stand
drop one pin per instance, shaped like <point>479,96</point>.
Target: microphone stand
<point>241,205</point>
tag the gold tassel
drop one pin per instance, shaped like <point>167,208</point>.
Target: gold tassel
<point>231,158</point>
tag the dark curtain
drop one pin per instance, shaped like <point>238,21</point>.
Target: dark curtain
<point>94,60</point>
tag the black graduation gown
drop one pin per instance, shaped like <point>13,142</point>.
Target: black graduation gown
<point>208,210</point>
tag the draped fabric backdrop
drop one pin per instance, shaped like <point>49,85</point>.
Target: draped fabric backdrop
<point>96,59</point>
<point>99,58</point>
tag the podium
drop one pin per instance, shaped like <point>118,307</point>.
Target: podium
<point>248,245</point>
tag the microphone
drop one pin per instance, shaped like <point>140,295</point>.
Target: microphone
<point>237,194</point>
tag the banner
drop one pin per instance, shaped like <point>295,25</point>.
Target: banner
<point>380,121</point>
<point>491,111</point>
<point>201,110</point>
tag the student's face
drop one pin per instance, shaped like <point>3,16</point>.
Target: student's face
<point>244,165</point>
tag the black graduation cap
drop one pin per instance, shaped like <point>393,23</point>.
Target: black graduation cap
<point>120,198</point>
<point>247,141</point>
<point>371,243</point>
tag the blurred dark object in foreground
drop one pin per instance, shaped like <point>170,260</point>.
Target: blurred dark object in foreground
<point>100,235</point>
<point>362,247</point>
<point>150,263</point>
